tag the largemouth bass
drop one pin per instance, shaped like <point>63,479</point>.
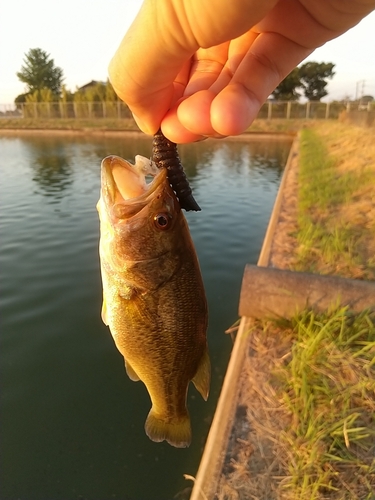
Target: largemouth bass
<point>153,295</point>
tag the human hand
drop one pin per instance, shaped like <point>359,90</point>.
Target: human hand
<point>203,69</point>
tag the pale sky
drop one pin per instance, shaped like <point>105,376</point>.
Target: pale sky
<point>81,36</point>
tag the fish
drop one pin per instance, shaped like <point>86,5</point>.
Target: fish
<point>165,154</point>
<point>154,301</point>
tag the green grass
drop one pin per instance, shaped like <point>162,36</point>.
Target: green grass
<point>328,389</point>
<point>326,240</point>
<point>332,243</point>
<point>321,186</point>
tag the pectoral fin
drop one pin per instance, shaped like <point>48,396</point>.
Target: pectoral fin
<point>202,378</point>
<point>131,372</point>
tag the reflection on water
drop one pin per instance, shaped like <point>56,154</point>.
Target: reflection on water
<point>72,422</point>
<point>237,155</point>
<point>52,166</point>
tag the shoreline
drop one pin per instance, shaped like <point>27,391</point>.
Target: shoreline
<point>228,411</point>
<point>87,132</point>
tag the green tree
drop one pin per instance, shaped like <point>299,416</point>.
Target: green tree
<point>287,89</point>
<point>110,93</point>
<point>66,95</point>
<point>20,99</point>
<point>314,77</point>
<point>42,95</point>
<point>39,72</point>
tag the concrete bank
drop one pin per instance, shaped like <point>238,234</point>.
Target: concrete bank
<point>97,132</point>
<point>84,132</point>
<point>215,450</point>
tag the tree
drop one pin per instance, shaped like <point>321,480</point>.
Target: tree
<point>66,95</point>
<point>313,77</point>
<point>42,95</point>
<point>366,98</point>
<point>110,93</point>
<point>39,71</point>
<point>287,89</point>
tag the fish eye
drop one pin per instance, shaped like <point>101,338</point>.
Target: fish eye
<point>163,221</point>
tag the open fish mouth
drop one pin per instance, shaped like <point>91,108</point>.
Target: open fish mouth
<point>125,191</point>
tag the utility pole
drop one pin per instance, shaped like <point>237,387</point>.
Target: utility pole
<point>356,88</point>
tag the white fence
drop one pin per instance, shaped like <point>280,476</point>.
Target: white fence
<point>310,109</point>
<point>119,110</point>
<point>64,110</point>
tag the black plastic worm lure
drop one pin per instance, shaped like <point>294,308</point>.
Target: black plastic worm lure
<point>165,154</point>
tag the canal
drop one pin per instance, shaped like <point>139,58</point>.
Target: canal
<point>71,420</point>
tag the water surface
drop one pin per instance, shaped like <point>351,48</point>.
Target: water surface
<point>71,420</point>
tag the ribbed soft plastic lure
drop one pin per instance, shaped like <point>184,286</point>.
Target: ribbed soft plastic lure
<point>165,154</point>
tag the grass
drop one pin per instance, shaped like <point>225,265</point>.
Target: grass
<point>327,388</point>
<point>309,426</point>
<point>329,236</point>
<point>321,185</point>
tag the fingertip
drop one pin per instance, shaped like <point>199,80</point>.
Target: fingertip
<point>194,113</point>
<point>145,126</point>
<point>233,110</point>
<point>175,131</point>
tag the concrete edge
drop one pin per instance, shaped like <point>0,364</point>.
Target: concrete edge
<point>88,131</point>
<point>84,132</point>
<point>265,253</point>
<point>217,440</point>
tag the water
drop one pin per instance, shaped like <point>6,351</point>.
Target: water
<point>71,420</point>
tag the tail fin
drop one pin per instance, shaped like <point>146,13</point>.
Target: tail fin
<point>177,433</point>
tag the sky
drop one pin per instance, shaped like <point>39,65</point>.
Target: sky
<point>82,36</point>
